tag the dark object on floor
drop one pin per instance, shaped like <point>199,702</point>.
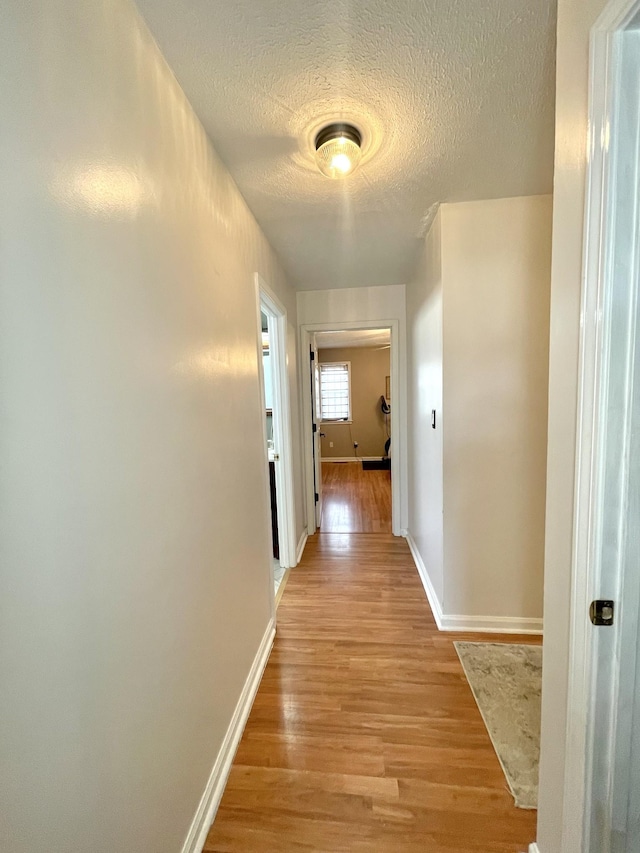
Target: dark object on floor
<point>376,464</point>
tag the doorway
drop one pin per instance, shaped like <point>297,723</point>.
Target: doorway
<point>351,428</point>
<point>276,414</point>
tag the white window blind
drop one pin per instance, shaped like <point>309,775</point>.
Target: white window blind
<point>335,391</point>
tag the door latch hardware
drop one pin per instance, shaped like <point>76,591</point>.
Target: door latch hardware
<point>601,612</point>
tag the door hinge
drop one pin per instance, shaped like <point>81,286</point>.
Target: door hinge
<point>601,612</point>
<point>317,497</point>
<point>312,355</point>
<point>315,427</point>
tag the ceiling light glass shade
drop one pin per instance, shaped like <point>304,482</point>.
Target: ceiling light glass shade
<point>338,150</point>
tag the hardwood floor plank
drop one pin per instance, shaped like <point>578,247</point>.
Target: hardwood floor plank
<point>354,500</point>
<point>328,752</point>
<point>364,736</point>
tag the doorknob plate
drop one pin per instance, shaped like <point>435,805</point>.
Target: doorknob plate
<point>601,612</point>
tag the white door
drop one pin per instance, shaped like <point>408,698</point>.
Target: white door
<point>316,423</point>
<point>608,521</point>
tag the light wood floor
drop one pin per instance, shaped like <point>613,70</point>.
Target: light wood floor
<point>364,736</point>
<point>353,500</point>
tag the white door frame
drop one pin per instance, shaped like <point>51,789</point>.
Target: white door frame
<point>396,477</point>
<point>594,354</point>
<point>267,300</point>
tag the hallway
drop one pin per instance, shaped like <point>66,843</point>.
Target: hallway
<point>364,735</point>
<point>385,177</point>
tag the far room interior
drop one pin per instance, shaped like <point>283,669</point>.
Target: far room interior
<point>354,368</point>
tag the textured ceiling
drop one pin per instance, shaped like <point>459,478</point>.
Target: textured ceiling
<point>355,338</point>
<point>455,101</point>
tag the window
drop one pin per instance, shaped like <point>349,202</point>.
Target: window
<point>335,391</point>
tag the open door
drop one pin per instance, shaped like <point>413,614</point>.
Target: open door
<point>314,378</point>
<point>603,778</point>
<point>614,737</point>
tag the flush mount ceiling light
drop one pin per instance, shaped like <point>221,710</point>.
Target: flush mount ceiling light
<point>338,150</point>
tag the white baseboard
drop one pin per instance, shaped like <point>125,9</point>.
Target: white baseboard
<point>212,795</point>
<point>533,848</point>
<point>468,624</point>
<point>434,602</point>
<point>301,545</point>
<point>352,458</point>
<point>492,624</point>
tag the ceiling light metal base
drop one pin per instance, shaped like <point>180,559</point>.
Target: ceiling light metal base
<point>338,149</point>
<point>337,131</point>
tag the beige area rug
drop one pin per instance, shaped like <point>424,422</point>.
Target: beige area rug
<point>506,681</point>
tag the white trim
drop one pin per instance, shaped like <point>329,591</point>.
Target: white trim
<point>206,811</point>
<point>281,403</point>
<point>434,602</point>
<point>533,848</point>
<point>585,569</point>
<point>301,546</point>
<point>266,485</point>
<point>617,15</point>
<point>581,639</point>
<point>398,410</point>
<point>352,459</point>
<point>283,583</point>
<point>492,624</point>
<point>468,624</point>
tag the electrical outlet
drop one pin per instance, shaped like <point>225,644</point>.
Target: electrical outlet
<point>330,444</point>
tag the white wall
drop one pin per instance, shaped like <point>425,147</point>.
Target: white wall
<point>575,19</point>
<point>134,569</point>
<point>478,321</point>
<point>368,305</point>
<point>425,447</point>
<point>496,260</point>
